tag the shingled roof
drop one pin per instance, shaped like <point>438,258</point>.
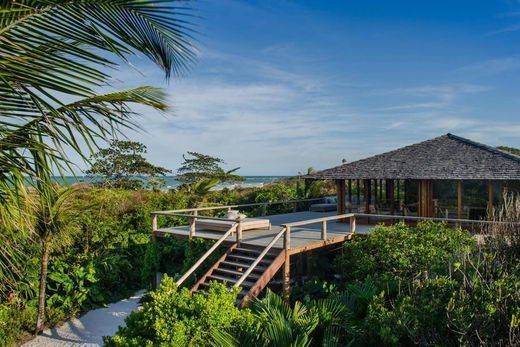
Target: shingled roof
<point>444,157</point>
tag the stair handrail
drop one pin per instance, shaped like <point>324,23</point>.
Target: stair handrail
<point>206,255</point>
<point>259,258</point>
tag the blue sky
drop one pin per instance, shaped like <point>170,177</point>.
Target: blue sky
<point>283,85</point>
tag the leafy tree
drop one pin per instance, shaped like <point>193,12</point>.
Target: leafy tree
<point>197,167</point>
<point>122,161</point>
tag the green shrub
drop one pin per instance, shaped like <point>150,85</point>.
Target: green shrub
<point>433,286</point>
<point>16,317</point>
<point>68,286</point>
<point>151,263</point>
<point>399,252</point>
<point>177,317</point>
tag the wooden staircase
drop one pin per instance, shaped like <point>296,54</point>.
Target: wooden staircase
<point>235,262</point>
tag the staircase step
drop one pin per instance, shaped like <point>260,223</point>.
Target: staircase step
<point>230,280</point>
<point>256,252</point>
<point>244,265</point>
<point>223,278</point>
<point>253,252</point>
<point>247,250</point>
<point>251,259</point>
<point>237,273</point>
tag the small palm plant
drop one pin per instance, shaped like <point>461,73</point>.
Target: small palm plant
<point>322,322</point>
<point>49,224</point>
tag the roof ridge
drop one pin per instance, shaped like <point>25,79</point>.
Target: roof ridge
<point>484,147</point>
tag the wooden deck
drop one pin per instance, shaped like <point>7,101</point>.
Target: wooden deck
<point>302,238</point>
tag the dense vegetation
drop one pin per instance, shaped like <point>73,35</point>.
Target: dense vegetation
<point>427,285</point>
<point>107,255</point>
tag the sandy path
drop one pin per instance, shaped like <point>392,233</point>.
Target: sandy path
<point>89,329</point>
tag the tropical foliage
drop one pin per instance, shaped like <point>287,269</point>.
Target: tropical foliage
<point>107,255</point>
<point>55,57</point>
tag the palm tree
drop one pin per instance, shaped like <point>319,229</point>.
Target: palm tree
<point>57,50</point>
<point>55,56</point>
<point>49,224</point>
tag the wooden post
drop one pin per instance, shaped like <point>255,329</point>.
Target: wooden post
<point>350,195</point>
<point>459,199</point>
<point>154,240</point>
<point>353,224</point>
<point>390,194</point>
<point>358,193</point>
<point>239,232</point>
<point>399,193</point>
<point>340,196</point>
<point>264,209</point>
<point>193,222</point>
<point>425,198</point>
<point>366,186</point>
<point>324,230</point>
<point>374,190</point>
<point>419,199</point>
<point>491,208</point>
<point>287,266</point>
<point>405,191</point>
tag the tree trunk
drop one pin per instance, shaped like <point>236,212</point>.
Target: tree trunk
<point>43,283</point>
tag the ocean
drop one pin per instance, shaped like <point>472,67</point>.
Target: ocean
<point>171,182</point>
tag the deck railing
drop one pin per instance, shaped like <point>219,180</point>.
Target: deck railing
<point>229,207</point>
<point>192,214</point>
<point>455,221</point>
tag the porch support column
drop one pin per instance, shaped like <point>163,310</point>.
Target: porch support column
<point>340,196</point>
<point>398,194</point>
<point>425,198</point>
<point>350,195</point>
<point>358,195</point>
<point>491,208</point>
<point>366,186</point>
<point>390,194</point>
<point>459,199</point>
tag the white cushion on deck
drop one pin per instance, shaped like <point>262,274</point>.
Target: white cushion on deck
<point>224,225</point>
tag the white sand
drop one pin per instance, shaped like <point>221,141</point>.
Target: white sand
<point>89,329</point>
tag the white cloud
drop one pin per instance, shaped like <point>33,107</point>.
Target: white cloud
<point>491,67</point>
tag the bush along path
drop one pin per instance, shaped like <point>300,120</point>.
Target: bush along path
<point>89,329</point>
